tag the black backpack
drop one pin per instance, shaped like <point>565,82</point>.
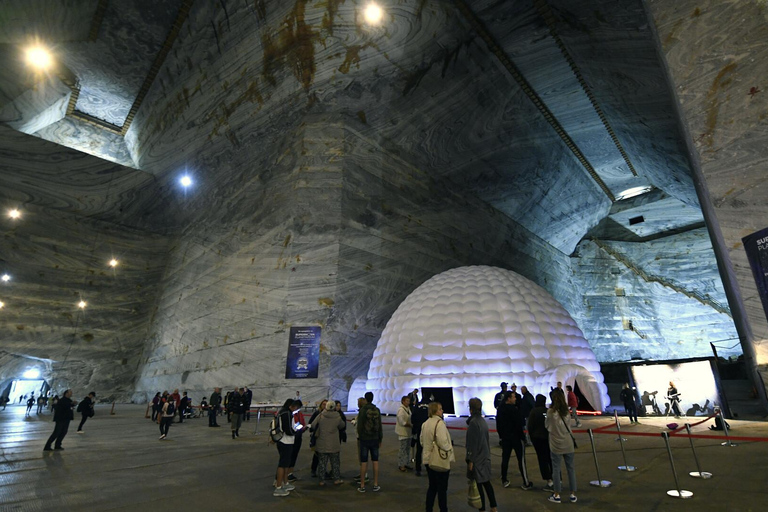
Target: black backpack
<point>171,407</point>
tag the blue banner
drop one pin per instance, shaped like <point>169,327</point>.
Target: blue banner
<point>303,353</point>
<point>756,246</point>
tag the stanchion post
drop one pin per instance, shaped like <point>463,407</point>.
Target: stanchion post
<point>146,414</point>
<point>725,430</point>
<point>599,482</point>
<point>677,492</point>
<point>258,419</point>
<point>112,412</point>
<point>698,473</point>
<point>625,467</point>
<point>618,426</point>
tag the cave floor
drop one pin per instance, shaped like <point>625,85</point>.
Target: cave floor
<point>119,464</point>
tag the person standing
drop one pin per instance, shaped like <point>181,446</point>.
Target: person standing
<point>436,439</point>
<point>561,445</point>
<point>479,453</point>
<point>214,406</point>
<point>573,404</point>
<point>247,400</point>
<point>235,410</point>
<point>30,403</point>
<point>370,434</point>
<point>40,404</point>
<point>630,407</point>
<point>418,418</point>
<point>313,439</point>
<point>301,423</point>
<point>414,396</point>
<point>510,425</point>
<point>674,398</point>
<point>499,398</point>
<point>540,439</point>
<point>183,406</point>
<point>85,408</point>
<point>167,413</point>
<point>285,448</point>
<point>403,431</point>
<point>527,403</point>
<point>327,426</point>
<point>518,397</point>
<point>176,397</point>
<point>155,406</point>
<point>62,415</point>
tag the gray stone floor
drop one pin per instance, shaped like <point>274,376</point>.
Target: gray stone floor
<point>119,464</point>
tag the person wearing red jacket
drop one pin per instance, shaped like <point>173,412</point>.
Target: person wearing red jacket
<point>573,403</point>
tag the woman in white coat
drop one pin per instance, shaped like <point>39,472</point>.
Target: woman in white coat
<point>438,449</point>
<point>403,431</point>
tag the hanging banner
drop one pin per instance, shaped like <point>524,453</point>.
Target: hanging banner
<point>756,246</point>
<point>303,353</point>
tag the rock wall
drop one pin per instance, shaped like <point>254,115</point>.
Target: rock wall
<point>656,300</point>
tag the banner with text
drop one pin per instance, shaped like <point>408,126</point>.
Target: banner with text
<point>303,353</point>
<point>756,246</point>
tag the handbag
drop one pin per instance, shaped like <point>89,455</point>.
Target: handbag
<point>441,463</point>
<point>473,495</point>
<point>569,433</point>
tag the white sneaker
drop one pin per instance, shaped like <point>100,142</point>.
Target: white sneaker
<point>280,492</point>
<point>289,487</point>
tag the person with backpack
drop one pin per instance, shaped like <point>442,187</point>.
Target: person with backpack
<point>85,408</point>
<point>573,404</point>
<point>168,412</point>
<point>370,434</point>
<point>62,415</point>
<point>283,433</point>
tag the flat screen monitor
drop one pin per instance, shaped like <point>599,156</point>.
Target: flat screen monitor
<point>695,383</point>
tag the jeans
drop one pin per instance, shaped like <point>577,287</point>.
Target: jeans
<point>404,455</point>
<point>212,417</point>
<point>438,486</point>
<point>631,409</point>
<point>557,459</point>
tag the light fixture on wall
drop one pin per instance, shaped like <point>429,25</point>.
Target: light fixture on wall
<point>82,304</point>
<point>633,192</point>
<point>185,181</point>
<point>2,304</point>
<point>113,263</point>
<point>373,14</point>
<point>6,278</point>
<point>39,57</point>
<point>14,214</point>
<point>31,374</point>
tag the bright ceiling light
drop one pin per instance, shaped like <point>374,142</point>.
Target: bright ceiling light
<point>31,374</point>
<point>14,214</point>
<point>6,278</point>
<point>2,304</point>
<point>633,192</point>
<point>113,262</point>
<point>82,304</point>
<point>39,57</point>
<point>185,181</point>
<point>373,14</point>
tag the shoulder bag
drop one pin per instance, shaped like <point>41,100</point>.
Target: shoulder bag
<point>439,460</point>
<point>569,432</point>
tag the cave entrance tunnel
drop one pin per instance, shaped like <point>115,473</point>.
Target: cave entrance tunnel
<point>21,387</point>
<point>584,404</point>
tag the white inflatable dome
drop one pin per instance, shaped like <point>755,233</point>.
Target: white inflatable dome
<point>471,328</point>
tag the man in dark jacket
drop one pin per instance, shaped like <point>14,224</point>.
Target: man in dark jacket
<point>214,406</point>
<point>183,406</point>
<point>527,403</point>
<point>247,400</point>
<point>62,415</point>
<point>418,417</point>
<point>539,435</point>
<point>499,398</point>
<point>86,409</point>
<point>510,425</point>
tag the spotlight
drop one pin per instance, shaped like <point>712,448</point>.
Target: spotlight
<point>185,181</point>
<point>31,374</point>
<point>14,214</point>
<point>82,304</point>
<point>39,57</point>
<point>113,262</point>
<point>5,278</point>
<point>373,14</point>
<point>2,304</point>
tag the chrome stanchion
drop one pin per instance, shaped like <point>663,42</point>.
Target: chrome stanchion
<point>699,473</point>
<point>598,482</point>
<point>618,427</point>
<point>725,430</point>
<point>625,467</point>
<point>677,492</point>
<point>258,419</point>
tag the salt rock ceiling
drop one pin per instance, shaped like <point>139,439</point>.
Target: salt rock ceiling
<point>546,110</point>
